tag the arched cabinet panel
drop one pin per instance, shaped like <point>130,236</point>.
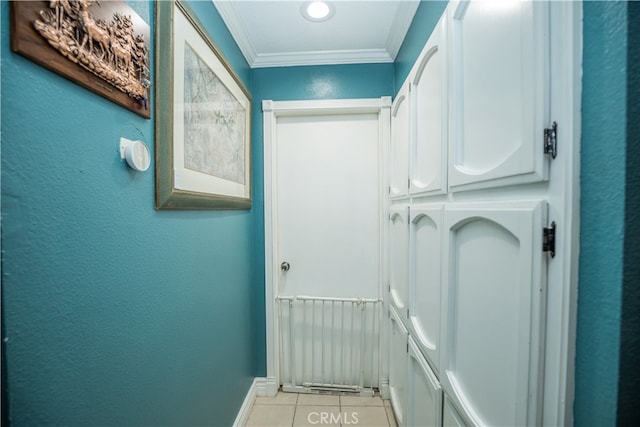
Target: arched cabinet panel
<point>499,93</point>
<point>429,110</point>
<point>399,255</point>
<point>425,279</point>
<point>398,368</point>
<point>424,394</point>
<point>494,303</point>
<point>400,134</point>
<point>450,416</point>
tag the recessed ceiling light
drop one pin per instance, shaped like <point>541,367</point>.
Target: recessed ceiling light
<point>318,11</point>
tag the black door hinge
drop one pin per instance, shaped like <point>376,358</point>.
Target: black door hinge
<point>551,140</point>
<point>549,239</point>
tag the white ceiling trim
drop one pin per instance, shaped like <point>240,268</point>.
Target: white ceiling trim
<point>361,56</point>
<point>237,30</point>
<point>401,22</point>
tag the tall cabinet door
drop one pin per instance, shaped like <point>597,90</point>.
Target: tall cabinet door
<point>424,395</point>
<point>398,367</point>
<point>495,294</point>
<point>429,113</point>
<point>424,306</point>
<point>499,93</point>
<point>450,417</point>
<point>399,254</point>
<point>400,134</point>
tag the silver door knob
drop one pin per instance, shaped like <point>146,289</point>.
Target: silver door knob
<point>285,266</point>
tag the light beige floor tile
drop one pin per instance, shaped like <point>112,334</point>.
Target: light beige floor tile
<point>280,399</point>
<point>387,402</point>
<point>360,401</point>
<point>390,416</point>
<point>318,399</point>
<point>350,416</point>
<point>367,416</point>
<point>317,415</point>
<point>271,416</point>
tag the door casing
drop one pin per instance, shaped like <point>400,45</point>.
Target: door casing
<point>271,111</point>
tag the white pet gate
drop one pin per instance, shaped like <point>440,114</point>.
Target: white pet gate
<point>329,344</point>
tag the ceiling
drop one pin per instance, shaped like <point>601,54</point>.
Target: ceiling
<point>274,33</point>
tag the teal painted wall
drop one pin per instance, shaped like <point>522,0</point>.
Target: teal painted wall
<point>298,83</point>
<point>604,139</point>
<point>116,314</point>
<point>629,378</point>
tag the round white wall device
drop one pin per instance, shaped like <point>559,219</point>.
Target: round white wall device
<point>136,154</point>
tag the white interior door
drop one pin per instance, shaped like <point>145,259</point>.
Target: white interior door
<point>324,205</point>
<point>328,205</point>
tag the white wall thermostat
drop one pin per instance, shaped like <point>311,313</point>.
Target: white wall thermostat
<point>135,153</point>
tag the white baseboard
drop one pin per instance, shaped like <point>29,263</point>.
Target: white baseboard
<point>250,398</point>
<point>267,387</point>
<point>261,386</point>
<point>384,389</point>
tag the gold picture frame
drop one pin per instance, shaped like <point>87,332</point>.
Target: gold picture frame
<point>203,118</point>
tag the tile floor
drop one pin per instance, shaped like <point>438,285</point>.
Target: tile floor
<point>292,409</point>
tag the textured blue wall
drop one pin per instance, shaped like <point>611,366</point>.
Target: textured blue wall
<point>298,83</point>
<point>629,381</point>
<point>604,97</point>
<point>116,314</point>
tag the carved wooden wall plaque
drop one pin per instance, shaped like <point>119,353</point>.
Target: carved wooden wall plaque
<point>102,46</point>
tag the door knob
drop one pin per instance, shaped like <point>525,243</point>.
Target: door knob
<point>285,266</point>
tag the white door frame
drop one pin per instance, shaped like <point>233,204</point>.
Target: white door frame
<point>271,111</point>
<point>566,88</point>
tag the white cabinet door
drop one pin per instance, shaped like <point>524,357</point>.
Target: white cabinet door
<point>399,251</point>
<point>424,303</point>
<point>398,367</point>
<point>450,417</point>
<point>424,395</point>
<point>494,298</point>
<point>429,114</point>
<point>499,92</point>
<point>400,134</point>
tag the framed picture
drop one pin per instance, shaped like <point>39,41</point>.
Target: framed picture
<point>102,46</point>
<point>203,116</point>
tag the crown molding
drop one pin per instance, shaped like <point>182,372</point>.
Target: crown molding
<point>235,26</point>
<point>321,58</point>
<point>401,22</point>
